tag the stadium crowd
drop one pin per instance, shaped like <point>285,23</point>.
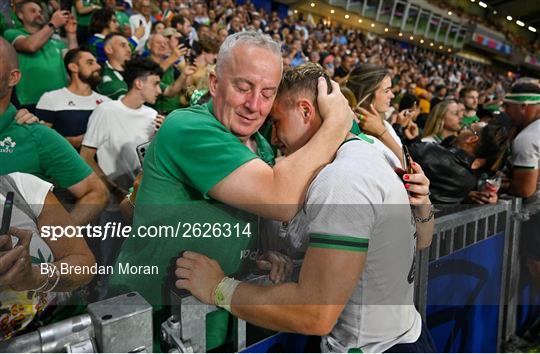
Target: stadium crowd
<point>224,102</point>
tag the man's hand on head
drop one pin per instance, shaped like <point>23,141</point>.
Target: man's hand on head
<point>334,107</point>
<point>199,275</point>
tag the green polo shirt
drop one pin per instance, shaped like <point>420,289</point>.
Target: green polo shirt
<point>42,71</point>
<point>84,20</point>
<point>112,83</point>
<point>39,150</point>
<point>164,104</point>
<point>467,121</point>
<point>191,153</point>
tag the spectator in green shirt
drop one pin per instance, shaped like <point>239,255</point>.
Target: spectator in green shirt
<point>84,10</point>
<point>469,97</point>
<point>40,54</point>
<point>118,51</point>
<point>39,150</point>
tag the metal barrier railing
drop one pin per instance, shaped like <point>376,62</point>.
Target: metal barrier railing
<point>456,231</point>
<point>184,331</point>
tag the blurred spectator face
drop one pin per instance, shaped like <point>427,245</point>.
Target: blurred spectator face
<point>185,29</point>
<point>297,45</point>
<point>146,9</point>
<point>471,100</point>
<point>158,28</point>
<point>244,88</point>
<point>204,31</point>
<point>314,57</point>
<point>32,15</point>
<point>348,63</point>
<point>222,34</point>
<point>236,24</point>
<point>461,110</point>
<point>411,88</point>
<point>113,25</point>
<point>87,68</point>
<point>118,49</point>
<point>111,4</point>
<point>212,15</point>
<point>150,89</point>
<point>164,6</point>
<point>158,45</point>
<point>452,119</point>
<point>383,96</point>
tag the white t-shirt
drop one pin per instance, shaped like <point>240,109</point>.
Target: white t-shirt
<point>526,155</point>
<point>134,23</point>
<point>67,111</point>
<point>116,130</point>
<point>358,203</point>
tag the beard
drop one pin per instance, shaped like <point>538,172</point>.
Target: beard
<point>93,79</point>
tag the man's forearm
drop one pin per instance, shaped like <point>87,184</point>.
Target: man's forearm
<point>280,307</point>
<point>72,41</point>
<point>35,41</point>
<point>88,208</point>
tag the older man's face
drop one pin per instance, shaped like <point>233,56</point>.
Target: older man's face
<point>244,90</point>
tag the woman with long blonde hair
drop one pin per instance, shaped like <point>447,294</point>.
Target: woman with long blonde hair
<point>443,121</point>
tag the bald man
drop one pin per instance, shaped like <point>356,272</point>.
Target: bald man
<point>39,150</point>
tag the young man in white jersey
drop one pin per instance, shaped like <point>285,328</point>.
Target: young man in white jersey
<point>356,283</point>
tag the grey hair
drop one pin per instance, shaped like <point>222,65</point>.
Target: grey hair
<point>251,38</point>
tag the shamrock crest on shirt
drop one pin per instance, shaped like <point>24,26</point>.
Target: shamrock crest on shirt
<point>7,145</point>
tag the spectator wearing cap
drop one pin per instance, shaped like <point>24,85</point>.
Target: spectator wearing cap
<point>121,17</point>
<point>102,24</point>
<point>39,53</point>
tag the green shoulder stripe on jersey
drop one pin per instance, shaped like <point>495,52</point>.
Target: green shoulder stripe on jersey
<point>355,350</point>
<point>525,167</point>
<point>346,243</point>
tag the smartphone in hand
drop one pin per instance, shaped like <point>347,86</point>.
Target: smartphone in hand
<point>6,215</point>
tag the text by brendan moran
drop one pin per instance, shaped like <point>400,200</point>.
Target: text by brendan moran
<point>122,268</point>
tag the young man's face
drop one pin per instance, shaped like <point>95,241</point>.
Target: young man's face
<point>293,123</point>
<point>89,69</point>
<point>150,88</point>
<point>471,100</point>
<point>244,90</point>
<point>114,26</point>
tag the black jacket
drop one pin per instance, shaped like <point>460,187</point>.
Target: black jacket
<point>448,169</point>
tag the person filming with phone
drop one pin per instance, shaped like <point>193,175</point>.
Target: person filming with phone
<point>30,280</point>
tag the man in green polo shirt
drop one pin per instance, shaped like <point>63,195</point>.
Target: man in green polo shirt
<point>40,53</point>
<point>39,150</point>
<point>208,154</point>
<point>118,51</point>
